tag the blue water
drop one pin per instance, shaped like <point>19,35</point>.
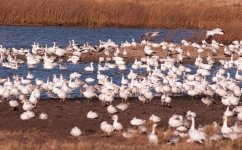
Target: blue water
<point>40,73</point>
<point>23,37</point>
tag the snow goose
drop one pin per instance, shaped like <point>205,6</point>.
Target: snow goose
<point>148,51</point>
<point>89,68</point>
<point>238,76</point>
<point>152,136</point>
<point>75,131</point>
<point>107,128</point>
<point>89,93</point>
<point>175,121</point>
<point>13,104</point>
<point>89,80</point>
<point>122,106</point>
<point>137,122</point>
<point>154,118</point>
<point>149,36</point>
<point>133,45</point>
<point>225,130</point>
<point>125,53</point>
<point>213,32</point>
<point>228,112</point>
<point>111,109</point>
<point>75,75</point>
<point>194,134</point>
<point>30,76</point>
<point>207,101</point>
<point>27,106</point>
<point>26,115</point>
<point>92,115</point>
<point>117,125</point>
<point>43,116</point>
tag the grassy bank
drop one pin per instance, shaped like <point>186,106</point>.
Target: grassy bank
<point>126,13</point>
<point>35,140</point>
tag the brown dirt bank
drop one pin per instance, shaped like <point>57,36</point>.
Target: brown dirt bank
<point>162,53</point>
<point>139,52</point>
<point>54,132</point>
<point>126,13</point>
<point>63,117</point>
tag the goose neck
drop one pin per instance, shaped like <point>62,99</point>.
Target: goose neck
<point>193,124</point>
<point>153,130</point>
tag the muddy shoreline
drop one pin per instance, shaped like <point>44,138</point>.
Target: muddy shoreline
<point>139,53</point>
<point>63,117</point>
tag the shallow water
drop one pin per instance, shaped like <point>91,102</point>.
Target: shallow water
<point>40,73</point>
<point>23,37</point>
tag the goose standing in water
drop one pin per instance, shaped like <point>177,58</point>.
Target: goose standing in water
<point>133,45</point>
<point>89,68</point>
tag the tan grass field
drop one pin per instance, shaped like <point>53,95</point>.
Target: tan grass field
<point>30,141</point>
<point>127,13</point>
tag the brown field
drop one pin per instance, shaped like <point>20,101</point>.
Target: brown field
<point>54,132</point>
<point>127,13</point>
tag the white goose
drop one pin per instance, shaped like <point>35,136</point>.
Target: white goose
<point>225,129</point>
<point>13,104</point>
<point>194,134</point>
<point>148,50</point>
<point>137,122</point>
<point>117,125</point>
<point>30,76</point>
<point>122,106</point>
<point>75,131</point>
<point>133,45</point>
<point>175,121</point>
<point>92,115</point>
<point>43,116</point>
<point>153,138</point>
<point>27,106</point>
<point>154,118</point>
<point>111,109</point>
<point>107,128</point>
<point>89,68</point>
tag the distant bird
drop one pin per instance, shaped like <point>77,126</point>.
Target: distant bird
<point>149,36</point>
<point>43,116</point>
<point>213,32</point>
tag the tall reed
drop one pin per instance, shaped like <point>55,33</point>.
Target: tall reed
<point>125,13</point>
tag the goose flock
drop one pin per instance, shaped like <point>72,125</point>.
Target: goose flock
<point>149,77</point>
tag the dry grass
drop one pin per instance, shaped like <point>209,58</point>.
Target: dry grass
<point>39,141</point>
<point>126,13</point>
